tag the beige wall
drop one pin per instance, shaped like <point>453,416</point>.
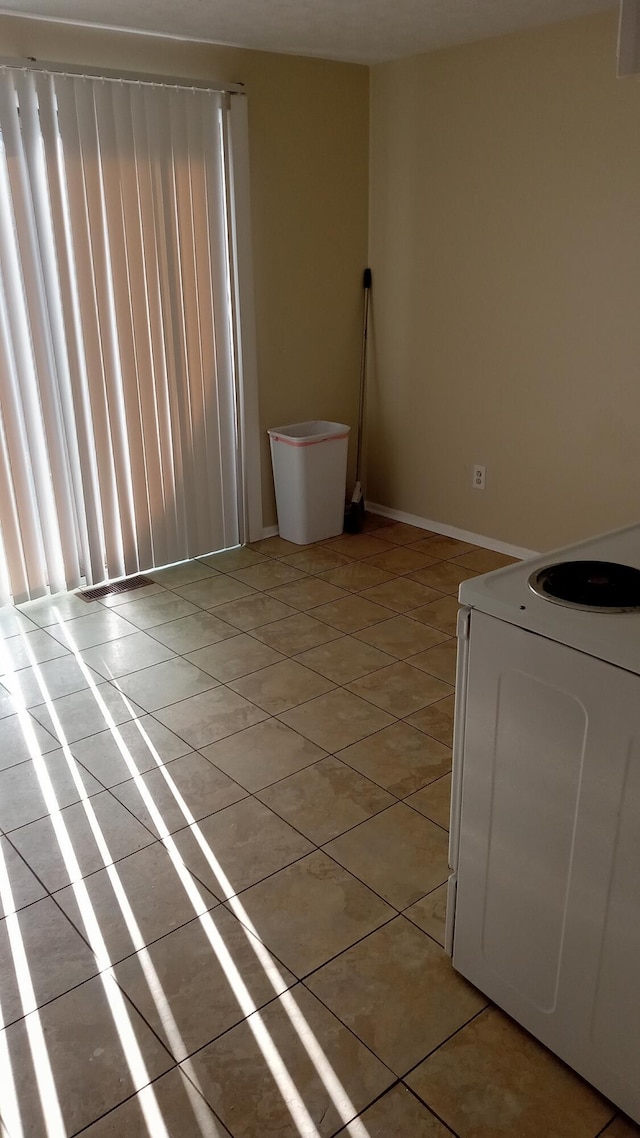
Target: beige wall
<point>505,249</point>
<point>308,125</point>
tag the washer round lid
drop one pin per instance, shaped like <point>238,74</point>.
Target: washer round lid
<point>596,586</point>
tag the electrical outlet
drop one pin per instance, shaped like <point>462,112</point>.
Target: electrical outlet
<point>479,477</point>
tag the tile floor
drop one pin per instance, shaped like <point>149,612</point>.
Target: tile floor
<point>223,812</point>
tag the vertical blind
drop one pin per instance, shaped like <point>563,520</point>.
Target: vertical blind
<point>118,426</point>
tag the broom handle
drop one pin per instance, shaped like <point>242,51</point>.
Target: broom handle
<point>366,284</point>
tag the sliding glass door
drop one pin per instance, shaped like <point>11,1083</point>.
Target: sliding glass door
<point>118,370</point>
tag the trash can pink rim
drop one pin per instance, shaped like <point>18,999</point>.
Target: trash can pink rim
<point>305,442</point>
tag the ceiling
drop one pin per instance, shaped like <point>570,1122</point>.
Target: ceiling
<point>358,31</point>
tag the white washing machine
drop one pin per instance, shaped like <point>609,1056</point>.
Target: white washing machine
<point>544,897</point>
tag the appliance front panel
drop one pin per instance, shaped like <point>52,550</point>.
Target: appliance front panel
<point>547,909</point>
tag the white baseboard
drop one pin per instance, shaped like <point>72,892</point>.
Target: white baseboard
<point>452,531</point>
<point>270,531</point>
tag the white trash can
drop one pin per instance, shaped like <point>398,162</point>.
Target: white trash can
<point>310,474</point>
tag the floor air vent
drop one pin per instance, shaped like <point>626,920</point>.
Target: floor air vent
<point>115,587</point>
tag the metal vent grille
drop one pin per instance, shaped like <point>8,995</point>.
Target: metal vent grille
<point>114,587</point>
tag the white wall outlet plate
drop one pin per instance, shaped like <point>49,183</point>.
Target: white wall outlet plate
<point>479,477</point>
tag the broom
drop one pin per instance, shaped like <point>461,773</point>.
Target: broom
<point>354,513</point>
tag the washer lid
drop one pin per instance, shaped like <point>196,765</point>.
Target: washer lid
<point>596,586</point>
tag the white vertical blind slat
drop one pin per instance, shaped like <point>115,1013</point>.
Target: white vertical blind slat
<point>122,375</point>
<point>137,254</point>
<point>86,260</point>
<point>192,395</point>
<point>74,395</point>
<point>203,118</point>
<point>107,387</point>
<point>219,199</point>
<point>161,216</point>
<point>156,405</point>
<point>24,309</point>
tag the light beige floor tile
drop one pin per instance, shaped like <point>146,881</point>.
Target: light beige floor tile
<point>357,545</point>
<point>191,632</point>
<point>166,683</point>
<point>375,523</point>
<point>57,958</point>
<point>214,591</point>
<point>434,801</point>
<point>308,594</point>
<point>399,854</point>
<point>30,648</point>
<point>345,659</point>
<point>87,1055</point>
<point>436,720</point>
<point>114,756</point>
<point>512,1084</point>
<point>245,843</point>
<point>281,686</point>
<point>7,703</point>
<point>134,593</point>
<point>277,547</point>
<point>42,612</point>
<point>402,636</point>
<point>191,780</point>
<point>229,559</point>
<point>402,534</point>
<point>398,992</point>
<point>233,658</point>
<point>184,1114</point>
<point>97,628</point>
<point>237,1081</point>
<point>485,560</point>
<point>268,575</point>
<point>442,548</point>
<point>156,610</point>
<point>85,712</point>
<point>446,576</point>
<point>51,680</point>
<point>25,888</point>
<point>154,893</point>
<point>356,576</point>
<point>296,634</point>
<point>430,913</point>
<point>128,654</point>
<point>318,559</point>
<point>352,613</point>
<point>22,789</point>
<point>336,720</point>
<point>324,800</point>
<point>441,614</point>
<point>398,1114</point>
<point>38,843</point>
<point>400,689</point>
<point>263,754</point>
<point>621,1128</point>
<point>402,559</point>
<point>400,758</point>
<point>401,594</point>
<point>194,981</point>
<point>439,661</point>
<point>185,573</point>
<point>18,734</point>
<point>203,719</point>
<point>253,612</point>
<point>310,911</point>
